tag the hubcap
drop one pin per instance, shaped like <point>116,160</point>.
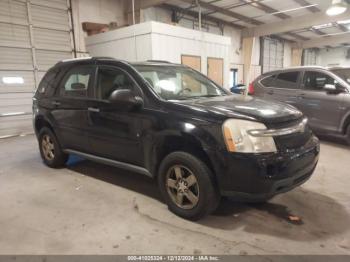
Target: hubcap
<point>182,187</point>
<point>48,147</point>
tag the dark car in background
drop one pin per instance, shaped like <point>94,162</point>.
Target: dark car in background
<point>322,94</point>
<point>173,124</point>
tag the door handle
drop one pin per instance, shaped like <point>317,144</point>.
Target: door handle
<point>94,109</point>
<point>270,92</point>
<point>56,103</point>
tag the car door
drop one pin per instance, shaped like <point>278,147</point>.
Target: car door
<point>284,88</point>
<point>319,105</point>
<point>70,107</point>
<point>114,133</point>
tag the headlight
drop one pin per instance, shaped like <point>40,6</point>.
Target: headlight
<point>238,138</point>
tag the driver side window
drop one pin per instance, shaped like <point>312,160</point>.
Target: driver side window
<point>111,79</point>
<point>317,80</point>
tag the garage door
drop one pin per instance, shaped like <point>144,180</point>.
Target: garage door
<point>34,35</point>
<point>273,51</point>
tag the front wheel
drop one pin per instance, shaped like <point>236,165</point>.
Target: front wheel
<point>50,150</point>
<point>187,186</point>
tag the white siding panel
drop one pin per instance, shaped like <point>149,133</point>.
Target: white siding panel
<point>15,103</point>
<point>24,106</point>
<point>52,39</point>
<point>60,4</point>
<point>15,125</point>
<point>46,17</point>
<point>46,59</point>
<point>14,35</point>
<point>13,12</point>
<point>27,86</point>
<point>15,59</point>
<point>51,43</point>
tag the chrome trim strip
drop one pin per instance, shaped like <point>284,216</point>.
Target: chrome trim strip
<point>111,162</point>
<point>299,128</point>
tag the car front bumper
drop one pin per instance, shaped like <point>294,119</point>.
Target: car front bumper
<point>258,177</point>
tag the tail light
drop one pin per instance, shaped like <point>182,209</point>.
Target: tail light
<point>251,89</point>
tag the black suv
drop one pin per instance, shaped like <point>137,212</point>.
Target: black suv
<point>172,123</point>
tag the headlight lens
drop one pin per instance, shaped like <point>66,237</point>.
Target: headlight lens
<point>238,139</point>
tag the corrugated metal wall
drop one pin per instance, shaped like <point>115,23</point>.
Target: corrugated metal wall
<point>34,35</point>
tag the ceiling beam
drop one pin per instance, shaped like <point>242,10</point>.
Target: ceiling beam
<point>324,41</point>
<point>204,17</point>
<point>341,27</point>
<point>143,4</point>
<point>317,31</point>
<point>294,23</point>
<point>313,9</point>
<point>298,37</point>
<point>226,12</point>
<point>267,9</point>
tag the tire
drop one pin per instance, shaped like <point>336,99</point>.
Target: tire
<point>348,134</point>
<point>48,142</point>
<point>202,196</point>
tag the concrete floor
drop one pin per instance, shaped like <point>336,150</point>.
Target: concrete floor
<point>88,208</point>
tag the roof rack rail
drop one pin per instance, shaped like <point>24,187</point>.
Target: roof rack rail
<point>159,61</point>
<point>75,59</point>
<point>103,57</point>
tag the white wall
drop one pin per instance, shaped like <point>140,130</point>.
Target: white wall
<point>160,41</point>
<point>96,11</point>
<point>333,57</point>
<point>235,52</point>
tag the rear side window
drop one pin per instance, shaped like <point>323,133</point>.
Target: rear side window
<point>76,82</point>
<point>317,80</point>
<point>287,80</point>
<point>47,84</point>
<point>268,81</point>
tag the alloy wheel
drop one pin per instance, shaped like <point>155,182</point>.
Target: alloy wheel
<point>182,186</point>
<point>48,147</point>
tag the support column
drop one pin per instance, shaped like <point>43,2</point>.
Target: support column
<point>296,56</point>
<point>247,46</point>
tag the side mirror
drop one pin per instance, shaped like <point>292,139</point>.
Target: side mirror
<point>329,87</point>
<point>335,89</point>
<point>125,99</point>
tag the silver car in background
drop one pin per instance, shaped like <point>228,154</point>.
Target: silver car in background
<point>322,94</point>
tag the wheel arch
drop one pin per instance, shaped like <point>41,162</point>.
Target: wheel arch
<point>345,123</point>
<point>40,122</point>
<point>177,142</point>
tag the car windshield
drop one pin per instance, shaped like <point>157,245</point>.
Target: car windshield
<point>343,73</point>
<point>179,83</point>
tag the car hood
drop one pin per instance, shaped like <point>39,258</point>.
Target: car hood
<point>240,106</point>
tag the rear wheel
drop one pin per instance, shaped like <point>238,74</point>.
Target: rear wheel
<point>50,150</point>
<point>187,186</point>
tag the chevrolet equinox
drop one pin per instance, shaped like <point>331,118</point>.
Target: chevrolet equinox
<point>173,124</point>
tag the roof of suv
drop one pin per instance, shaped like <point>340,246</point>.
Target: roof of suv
<point>109,59</point>
<point>305,67</point>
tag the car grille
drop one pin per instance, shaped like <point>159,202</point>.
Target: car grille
<point>291,141</point>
